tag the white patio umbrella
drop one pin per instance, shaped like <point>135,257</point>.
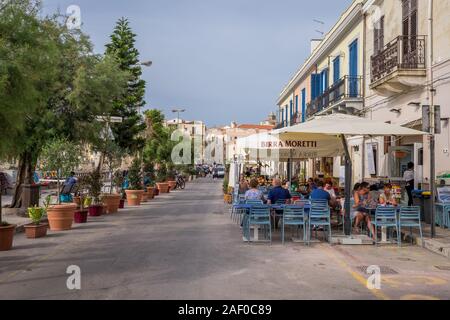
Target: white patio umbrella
<point>340,125</point>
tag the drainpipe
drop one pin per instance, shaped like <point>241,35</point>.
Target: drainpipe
<point>363,93</point>
<point>432,118</point>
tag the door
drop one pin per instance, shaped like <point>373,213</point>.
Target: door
<point>353,69</point>
<point>418,161</point>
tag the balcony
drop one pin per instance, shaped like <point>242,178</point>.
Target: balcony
<point>400,66</point>
<point>345,96</point>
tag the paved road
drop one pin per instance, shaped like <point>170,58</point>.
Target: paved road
<point>184,246</point>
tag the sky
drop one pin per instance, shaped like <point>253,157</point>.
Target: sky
<point>221,60</point>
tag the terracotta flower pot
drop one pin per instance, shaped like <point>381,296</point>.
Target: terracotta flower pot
<point>80,216</point>
<point>163,187</point>
<point>96,210</point>
<point>172,185</point>
<point>112,203</point>
<point>151,192</point>
<point>35,231</point>
<point>145,197</point>
<point>6,237</point>
<point>60,217</point>
<point>122,204</point>
<point>134,197</point>
<point>156,192</point>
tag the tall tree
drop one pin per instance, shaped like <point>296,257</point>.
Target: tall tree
<point>69,85</point>
<point>128,134</point>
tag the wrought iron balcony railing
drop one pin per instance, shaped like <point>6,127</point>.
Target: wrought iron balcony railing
<point>346,87</point>
<point>404,52</point>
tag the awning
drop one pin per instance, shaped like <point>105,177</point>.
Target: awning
<point>341,124</point>
<point>274,147</point>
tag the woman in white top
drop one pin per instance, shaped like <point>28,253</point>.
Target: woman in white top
<point>409,177</point>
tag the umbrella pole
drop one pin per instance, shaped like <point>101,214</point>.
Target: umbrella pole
<point>348,188</point>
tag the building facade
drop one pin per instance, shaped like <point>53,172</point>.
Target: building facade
<point>383,60</point>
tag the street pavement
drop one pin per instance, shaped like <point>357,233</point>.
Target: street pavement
<point>184,246</point>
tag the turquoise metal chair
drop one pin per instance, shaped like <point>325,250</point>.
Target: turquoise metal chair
<point>259,216</point>
<point>386,217</point>
<point>410,218</point>
<point>319,216</point>
<point>294,216</point>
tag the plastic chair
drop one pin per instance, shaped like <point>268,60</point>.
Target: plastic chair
<point>409,217</point>
<point>259,216</point>
<point>386,217</point>
<point>254,202</point>
<point>294,216</point>
<point>320,203</point>
<point>319,216</point>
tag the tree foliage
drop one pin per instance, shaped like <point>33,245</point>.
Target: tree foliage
<point>128,134</point>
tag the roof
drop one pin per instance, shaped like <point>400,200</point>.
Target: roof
<point>256,126</point>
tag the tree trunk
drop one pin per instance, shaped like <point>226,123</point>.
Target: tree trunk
<point>24,176</point>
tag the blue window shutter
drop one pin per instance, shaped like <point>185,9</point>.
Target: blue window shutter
<point>296,104</point>
<point>353,68</point>
<point>336,69</point>
<point>303,105</point>
<point>291,111</point>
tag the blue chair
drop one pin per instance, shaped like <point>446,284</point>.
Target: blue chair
<point>386,217</point>
<point>254,202</point>
<point>259,216</point>
<point>319,216</point>
<point>409,217</point>
<point>320,203</point>
<point>294,216</point>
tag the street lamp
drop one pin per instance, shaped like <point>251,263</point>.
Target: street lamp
<point>178,111</point>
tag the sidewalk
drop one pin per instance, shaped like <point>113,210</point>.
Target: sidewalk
<point>440,244</point>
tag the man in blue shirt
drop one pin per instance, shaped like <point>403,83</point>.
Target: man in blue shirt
<point>320,193</point>
<point>278,193</point>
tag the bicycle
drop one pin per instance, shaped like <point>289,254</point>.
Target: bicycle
<point>181,183</point>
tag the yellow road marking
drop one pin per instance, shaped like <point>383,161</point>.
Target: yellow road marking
<point>377,293</point>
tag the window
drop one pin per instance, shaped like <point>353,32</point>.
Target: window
<point>336,69</point>
<point>378,35</point>
<point>315,86</point>
<point>409,17</point>
<point>296,104</point>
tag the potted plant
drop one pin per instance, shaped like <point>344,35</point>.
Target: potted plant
<point>113,156</point>
<point>94,185</point>
<point>171,177</point>
<point>81,214</point>
<point>7,231</point>
<point>135,190</point>
<point>118,182</point>
<point>60,156</point>
<point>161,179</point>
<point>36,229</point>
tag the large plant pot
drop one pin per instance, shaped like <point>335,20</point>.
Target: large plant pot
<point>151,192</point>
<point>156,192</point>
<point>80,216</point>
<point>172,185</point>
<point>35,231</point>
<point>60,217</point>
<point>6,237</point>
<point>122,204</point>
<point>145,197</point>
<point>163,187</point>
<point>96,210</point>
<point>112,203</point>
<point>134,197</point>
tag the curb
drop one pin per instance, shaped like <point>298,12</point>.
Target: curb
<point>429,244</point>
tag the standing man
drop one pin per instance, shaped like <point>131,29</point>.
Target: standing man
<point>409,177</point>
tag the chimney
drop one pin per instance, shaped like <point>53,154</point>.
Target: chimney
<point>314,44</point>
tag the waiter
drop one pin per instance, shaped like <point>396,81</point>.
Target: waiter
<point>409,177</point>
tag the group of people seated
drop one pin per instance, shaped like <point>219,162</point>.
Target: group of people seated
<point>366,197</point>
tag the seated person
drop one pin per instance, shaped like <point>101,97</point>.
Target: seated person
<point>361,197</point>
<point>374,196</point>
<point>277,194</point>
<point>335,202</point>
<point>320,194</point>
<point>387,197</point>
<point>254,193</point>
<point>68,187</point>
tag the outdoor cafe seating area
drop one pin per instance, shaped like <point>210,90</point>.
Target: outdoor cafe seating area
<point>306,221</point>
